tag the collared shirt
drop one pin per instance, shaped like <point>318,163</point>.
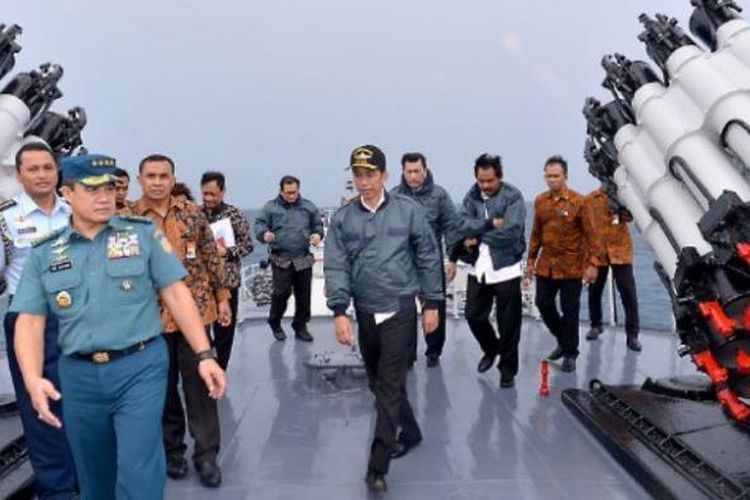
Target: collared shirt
<point>24,223</point>
<point>188,232</point>
<point>243,241</point>
<point>381,316</point>
<point>611,228</point>
<point>562,240</point>
<point>383,260</point>
<point>374,209</point>
<point>103,291</point>
<point>485,271</point>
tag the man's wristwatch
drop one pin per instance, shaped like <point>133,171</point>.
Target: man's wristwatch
<point>203,355</point>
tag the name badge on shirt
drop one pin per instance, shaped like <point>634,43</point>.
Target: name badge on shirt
<point>60,266</point>
<point>123,244</point>
<point>191,252</point>
<point>26,231</point>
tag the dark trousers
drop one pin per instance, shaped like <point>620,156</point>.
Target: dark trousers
<point>223,337</point>
<point>49,451</point>
<point>202,414</point>
<point>565,327</point>
<point>625,283</point>
<point>436,340</point>
<point>507,298</point>
<point>286,280</point>
<point>386,349</point>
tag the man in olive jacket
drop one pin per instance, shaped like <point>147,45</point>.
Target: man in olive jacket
<point>417,183</point>
<point>289,224</point>
<point>381,254</point>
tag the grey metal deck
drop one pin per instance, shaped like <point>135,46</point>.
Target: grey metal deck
<point>286,434</point>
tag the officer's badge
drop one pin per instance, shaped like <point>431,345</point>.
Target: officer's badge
<point>60,257</point>
<point>63,299</point>
<point>126,285</point>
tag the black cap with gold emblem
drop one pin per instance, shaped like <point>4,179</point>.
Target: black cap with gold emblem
<point>369,157</point>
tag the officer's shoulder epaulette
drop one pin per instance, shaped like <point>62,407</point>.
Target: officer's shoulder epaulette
<point>48,237</point>
<point>136,218</point>
<point>6,204</point>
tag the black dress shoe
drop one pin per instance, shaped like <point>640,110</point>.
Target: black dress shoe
<point>376,482</point>
<point>177,466</point>
<point>486,363</point>
<point>594,333</point>
<point>278,333</point>
<point>555,355</point>
<point>209,473</point>
<point>401,448</point>
<point>634,344</point>
<point>568,364</point>
<point>506,381</point>
<point>303,335</point>
<point>433,360</point>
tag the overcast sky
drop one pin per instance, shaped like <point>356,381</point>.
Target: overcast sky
<point>259,89</point>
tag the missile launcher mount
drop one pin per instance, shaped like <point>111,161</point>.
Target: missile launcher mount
<point>25,116</point>
<point>674,149</point>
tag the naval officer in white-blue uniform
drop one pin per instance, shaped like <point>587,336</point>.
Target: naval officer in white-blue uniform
<point>31,215</point>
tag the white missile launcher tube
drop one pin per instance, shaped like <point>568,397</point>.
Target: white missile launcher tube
<point>737,139</point>
<point>718,84</point>
<point>675,123</point>
<point>630,196</point>
<point>14,118</point>
<point>734,36</point>
<point>662,192</point>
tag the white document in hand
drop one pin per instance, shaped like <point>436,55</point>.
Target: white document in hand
<point>223,232</point>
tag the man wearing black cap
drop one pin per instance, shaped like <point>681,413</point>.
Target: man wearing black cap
<point>381,254</point>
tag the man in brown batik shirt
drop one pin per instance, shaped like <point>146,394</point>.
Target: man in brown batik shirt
<point>611,228</point>
<point>562,252</point>
<point>189,233</point>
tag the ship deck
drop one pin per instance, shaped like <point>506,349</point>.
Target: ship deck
<point>289,433</point>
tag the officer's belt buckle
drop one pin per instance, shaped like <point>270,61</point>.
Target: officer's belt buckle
<point>100,357</point>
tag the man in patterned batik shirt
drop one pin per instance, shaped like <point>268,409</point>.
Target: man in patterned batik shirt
<point>218,213</point>
<point>189,234</point>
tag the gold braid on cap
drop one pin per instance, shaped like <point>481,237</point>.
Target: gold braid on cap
<point>362,157</point>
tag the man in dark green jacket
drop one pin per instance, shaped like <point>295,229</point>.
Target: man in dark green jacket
<point>417,183</point>
<point>289,224</point>
<point>494,214</point>
<point>381,254</point>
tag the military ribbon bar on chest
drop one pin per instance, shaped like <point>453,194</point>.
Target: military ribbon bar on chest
<point>123,243</point>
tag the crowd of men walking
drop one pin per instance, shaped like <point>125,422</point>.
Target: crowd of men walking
<point>144,294</point>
